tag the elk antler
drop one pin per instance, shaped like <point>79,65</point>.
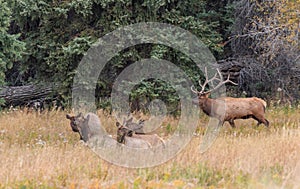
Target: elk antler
<point>207,81</point>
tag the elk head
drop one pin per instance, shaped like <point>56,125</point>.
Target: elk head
<point>127,128</point>
<point>75,121</point>
<point>79,125</point>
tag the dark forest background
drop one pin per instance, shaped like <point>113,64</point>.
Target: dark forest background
<point>42,42</point>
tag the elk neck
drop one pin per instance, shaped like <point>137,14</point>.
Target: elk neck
<point>205,104</point>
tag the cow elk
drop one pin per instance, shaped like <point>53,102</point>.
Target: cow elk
<point>229,108</point>
<point>128,129</point>
<point>89,127</point>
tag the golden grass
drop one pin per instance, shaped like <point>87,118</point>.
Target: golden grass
<point>41,151</point>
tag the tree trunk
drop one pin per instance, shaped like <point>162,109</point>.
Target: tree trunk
<point>21,95</point>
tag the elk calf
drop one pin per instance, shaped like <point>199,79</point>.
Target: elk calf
<point>228,108</point>
<point>127,131</point>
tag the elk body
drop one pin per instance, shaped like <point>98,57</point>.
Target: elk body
<point>228,108</point>
<point>89,127</point>
<point>128,129</point>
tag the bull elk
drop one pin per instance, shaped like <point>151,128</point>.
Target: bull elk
<point>128,130</point>
<point>89,127</point>
<point>229,108</point>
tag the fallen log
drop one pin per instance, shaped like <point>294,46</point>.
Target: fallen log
<point>21,95</point>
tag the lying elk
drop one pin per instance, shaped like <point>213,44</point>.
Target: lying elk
<point>128,129</point>
<point>236,108</point>
<point>89,126</point>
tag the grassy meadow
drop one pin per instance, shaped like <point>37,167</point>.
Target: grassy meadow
<point>41,151</point>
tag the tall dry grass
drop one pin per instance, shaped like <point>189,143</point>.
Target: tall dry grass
<point>41,151</point>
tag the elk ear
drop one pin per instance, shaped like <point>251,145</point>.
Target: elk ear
<point>68,116</point>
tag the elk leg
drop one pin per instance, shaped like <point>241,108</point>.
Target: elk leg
<point>266,123</point>
<point>231,121</point>
<point>258,123</point>
<point>261,119</point>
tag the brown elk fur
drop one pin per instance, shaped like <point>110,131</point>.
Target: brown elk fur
<point>229,109</point>
<point>124,133</point>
